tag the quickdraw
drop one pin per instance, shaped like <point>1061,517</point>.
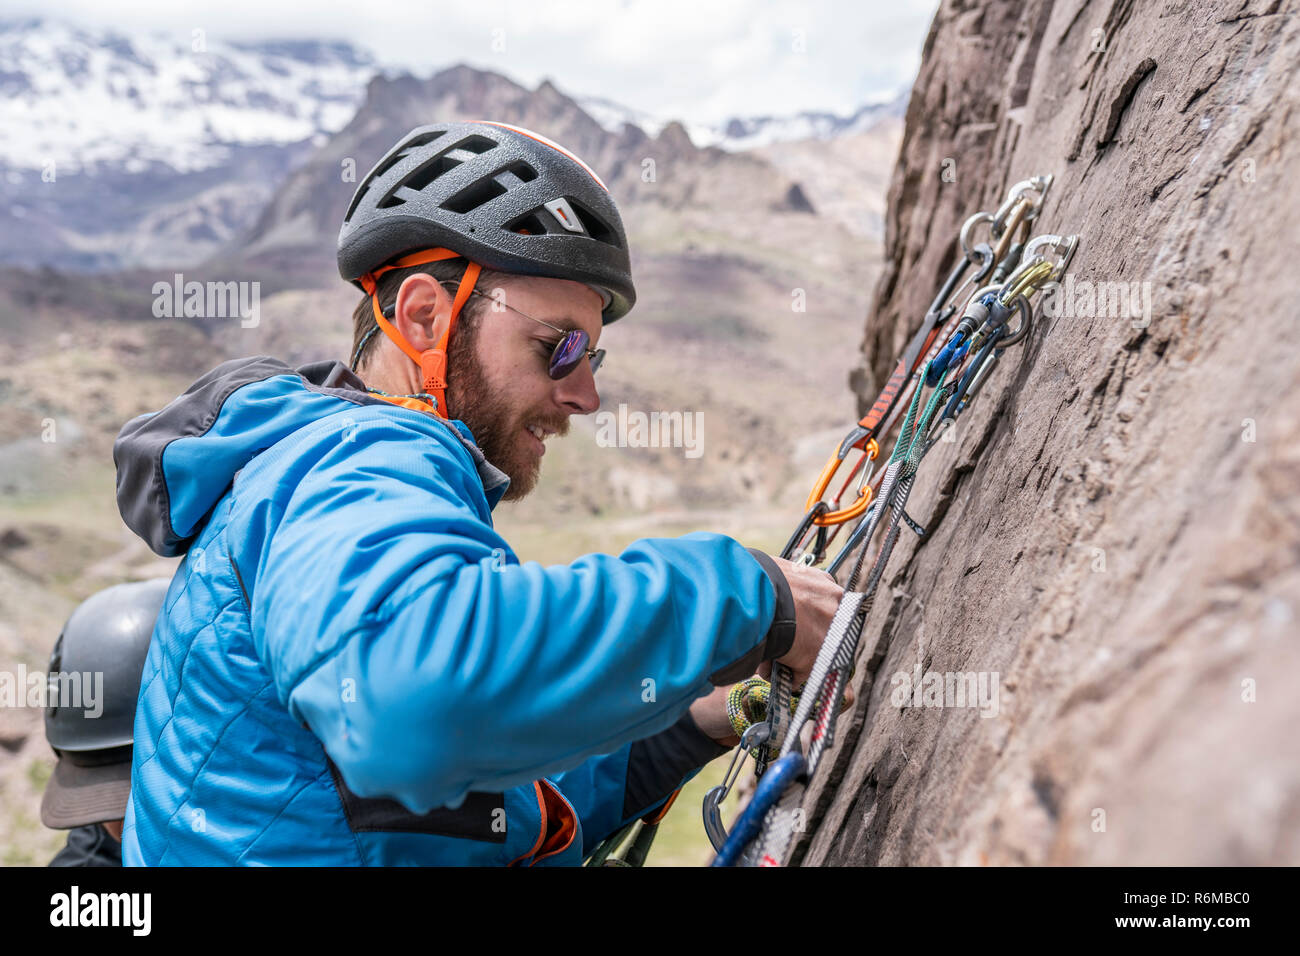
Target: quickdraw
<point>951,355</point>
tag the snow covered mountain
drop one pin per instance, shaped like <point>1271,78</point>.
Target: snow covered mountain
<point>751,132</point>
<point>93,102</point>
<point>164,150</point>
<point>154,149</point>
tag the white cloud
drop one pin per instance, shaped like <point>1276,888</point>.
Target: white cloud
<point>698,61</point>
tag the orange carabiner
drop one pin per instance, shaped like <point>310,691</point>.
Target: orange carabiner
<point>869,453</point>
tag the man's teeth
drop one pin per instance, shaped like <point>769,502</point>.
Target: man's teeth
<point>537,432</point>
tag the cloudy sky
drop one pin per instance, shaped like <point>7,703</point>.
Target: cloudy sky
<point>698,60</point>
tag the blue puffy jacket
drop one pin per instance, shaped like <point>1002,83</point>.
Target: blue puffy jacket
<point>352,667</point>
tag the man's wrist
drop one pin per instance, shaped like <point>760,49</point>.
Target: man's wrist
<point>780,632</point>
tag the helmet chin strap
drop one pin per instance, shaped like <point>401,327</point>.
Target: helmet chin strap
<point>432,362</point>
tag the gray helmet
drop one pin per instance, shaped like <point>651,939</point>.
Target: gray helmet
<point>108,634</point>
<point>504,197</point>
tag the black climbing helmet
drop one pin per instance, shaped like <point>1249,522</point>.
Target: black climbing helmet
<point>504,197</point>
<point>108,634</point>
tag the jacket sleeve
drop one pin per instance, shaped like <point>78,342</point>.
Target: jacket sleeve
<point>396,623</point>
<point>612,790</point>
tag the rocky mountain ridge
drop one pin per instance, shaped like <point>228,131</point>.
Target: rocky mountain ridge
<point>161,150</point>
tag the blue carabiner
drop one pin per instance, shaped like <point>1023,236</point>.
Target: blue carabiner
<point>773,783</point>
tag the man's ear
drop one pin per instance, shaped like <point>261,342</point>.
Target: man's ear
<point>423,310</point>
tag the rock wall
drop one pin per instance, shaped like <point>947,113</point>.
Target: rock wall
<point>1116,532</point>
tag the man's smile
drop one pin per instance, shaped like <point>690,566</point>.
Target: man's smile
<point>539,434</point>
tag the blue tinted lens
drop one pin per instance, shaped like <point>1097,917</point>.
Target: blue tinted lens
<point>569,353</point>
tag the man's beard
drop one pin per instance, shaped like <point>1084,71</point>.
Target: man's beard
<point>495,427</point>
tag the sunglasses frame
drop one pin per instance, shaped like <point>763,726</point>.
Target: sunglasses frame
<point>595,356</point>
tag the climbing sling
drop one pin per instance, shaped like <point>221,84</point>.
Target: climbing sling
<point>951,357</point>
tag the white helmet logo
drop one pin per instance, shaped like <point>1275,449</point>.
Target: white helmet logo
<point>562,211</point>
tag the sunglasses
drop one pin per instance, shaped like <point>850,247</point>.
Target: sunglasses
<point>568,351</point>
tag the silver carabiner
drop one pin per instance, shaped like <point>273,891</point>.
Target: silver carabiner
<point>966,227</point>
<point>1063,246</point>
<point>984,253</point>
<point>973,310</point>
<point>1011,338</point>
<point>1039,184</point>
<point>754,736</point>
<point>867,472</point>
<point>1000,217</point>
<point>713,828</point>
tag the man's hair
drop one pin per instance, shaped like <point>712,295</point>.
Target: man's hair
<point>445,270</point>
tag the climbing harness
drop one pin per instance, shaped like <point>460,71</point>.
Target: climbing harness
<point>950,356</point>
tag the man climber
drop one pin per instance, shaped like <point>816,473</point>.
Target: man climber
<point>352,667</point>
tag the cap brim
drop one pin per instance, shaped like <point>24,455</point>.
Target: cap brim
<point>78,796</point>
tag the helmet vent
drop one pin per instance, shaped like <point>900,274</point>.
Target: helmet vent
<point>474,196</point>
<point>489,187</point>
<point>595,226</point>
<point>426,173</point>
<point>416,142</point>
<point>530,224</point>
<point>521,169</point>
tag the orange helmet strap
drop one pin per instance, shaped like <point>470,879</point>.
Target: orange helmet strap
<point>432,362</point>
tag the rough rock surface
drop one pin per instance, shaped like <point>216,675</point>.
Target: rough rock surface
<point>1116,531</point>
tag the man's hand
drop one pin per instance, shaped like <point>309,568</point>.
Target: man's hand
<point>710,715</point>
<point>816,598</point>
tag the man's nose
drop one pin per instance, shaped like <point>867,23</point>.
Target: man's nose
<point>577,390</point>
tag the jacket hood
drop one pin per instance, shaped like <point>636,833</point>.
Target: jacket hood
<point>173,466</point>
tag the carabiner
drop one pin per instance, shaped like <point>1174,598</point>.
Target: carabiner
<point>967,249</point>
<point>1039,184</point>
<point>854,539</point>
<point>1026,315</point>
<point>1017,220</point>
<point>713,826</point>
<point>981,376</point>
<point>1064,246</point>
<point>755,736</point>
<point>804,525</point>
<point>770,789</point>
<point>870,451</point>
<point>1028,279</point>
<point>1004,212</point>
